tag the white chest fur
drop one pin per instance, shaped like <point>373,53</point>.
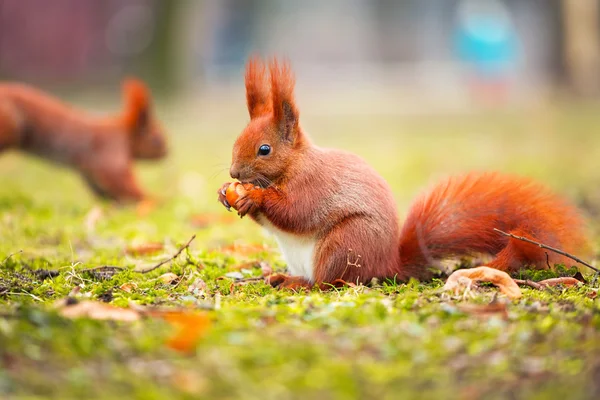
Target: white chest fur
<point>298,251</point>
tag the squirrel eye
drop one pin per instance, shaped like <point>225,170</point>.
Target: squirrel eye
<point>264,150</point>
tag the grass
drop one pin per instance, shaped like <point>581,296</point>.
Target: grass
<point>388,341</point>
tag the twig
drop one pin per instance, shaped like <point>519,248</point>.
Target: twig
<point>531,284</point>
<point>10,255</point>
<point>543,246</point>
<point>160,264</point>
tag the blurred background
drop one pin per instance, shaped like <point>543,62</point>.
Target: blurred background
<point>439,51</point>
<point>420,88</point>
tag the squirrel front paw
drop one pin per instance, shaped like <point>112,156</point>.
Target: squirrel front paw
<point>222,192</point>
<point>245,205</point>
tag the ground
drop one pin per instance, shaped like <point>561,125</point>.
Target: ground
<point>389,340</point>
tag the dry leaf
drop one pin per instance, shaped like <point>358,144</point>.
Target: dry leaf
<point>145,207</point>
<point>169,277</point>
<point>464,278</point>
<point>75,291</point>
<point>97,310</point>
<point>92,218</point>
<point>265,268</point>
<point>103,273</point>
<point>128,287</point>
<point>485,310</point>
<point>263,265</point>
<point>144,249</point>
<point>566,281</point>
<point>191,327</point>
<point>244,249</point>
<point>198,284</point>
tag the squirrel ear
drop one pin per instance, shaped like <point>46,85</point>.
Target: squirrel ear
<point>137,104</point>
<point>285,112</point>
<point>257,90</point>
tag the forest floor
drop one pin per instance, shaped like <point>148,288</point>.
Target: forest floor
<point>205,325</point>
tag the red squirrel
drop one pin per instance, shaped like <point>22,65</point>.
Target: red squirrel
<point>334,217</point>
<point>102,149</point>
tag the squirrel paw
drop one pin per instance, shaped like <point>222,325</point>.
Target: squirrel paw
<point>245,205</point>
<point>222,195</point>
<point>282,281</point>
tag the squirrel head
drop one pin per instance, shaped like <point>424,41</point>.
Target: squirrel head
<point>272,140</point>
<point>146,136</point>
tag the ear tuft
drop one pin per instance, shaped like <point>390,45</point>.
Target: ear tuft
<point>285,111</point>
<point>257,90</point>
<point>137,103</point>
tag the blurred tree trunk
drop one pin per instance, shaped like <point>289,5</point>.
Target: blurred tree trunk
<point>581,43</point>
<point>159,60</point>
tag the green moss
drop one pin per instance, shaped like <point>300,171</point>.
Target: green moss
<point>391,340</point>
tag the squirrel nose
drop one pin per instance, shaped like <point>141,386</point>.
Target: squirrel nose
<point>234,172</point>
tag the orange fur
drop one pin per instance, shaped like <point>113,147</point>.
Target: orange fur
<point>458,215</point>
<point>258,96</point>
<point>102,149</point>
<point>336,219</point>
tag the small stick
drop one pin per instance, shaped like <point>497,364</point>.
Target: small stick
<point>160,264</point>
<point>531,284</point>
<point>543,246</point>
<point>10,255</point>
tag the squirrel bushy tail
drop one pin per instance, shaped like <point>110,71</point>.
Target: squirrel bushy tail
<point>457,217</point>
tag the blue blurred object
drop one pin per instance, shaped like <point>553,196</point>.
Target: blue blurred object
<point>485,38</point>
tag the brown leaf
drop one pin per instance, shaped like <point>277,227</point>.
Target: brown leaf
<point>169,277</point>
<point>145,249</point>
<point>244,249</point>
<point>92,218</point>
<point>341,282</point>
<point>485,310</point>
<point>145,207</point>
<point>198,284</point>
<point>98,310</point>
<point>191,327</point>
<point>264,266</point>
<point>128,287</point>
<point>465,277</point>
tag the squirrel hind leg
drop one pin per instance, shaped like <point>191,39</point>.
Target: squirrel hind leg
<point>282,281</point>
<point>518,254</point>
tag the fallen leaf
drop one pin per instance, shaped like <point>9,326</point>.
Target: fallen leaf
<point>128,287</point>
<point>92,218</point>
<point>341,283</point>
<point>145,207</point>
<point>191,327</point>
<point>464,278</point>
<point>169,277</point>
<point>98,310</point>
<point>144,249</point>
<point>264,266</point>
<point>103,273</point>
<point>235,275</point>
<point>485,310</point>
<point>244,249</point>
<point>197,285</point>
<point>566,281</point>
<point>75,291</point>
